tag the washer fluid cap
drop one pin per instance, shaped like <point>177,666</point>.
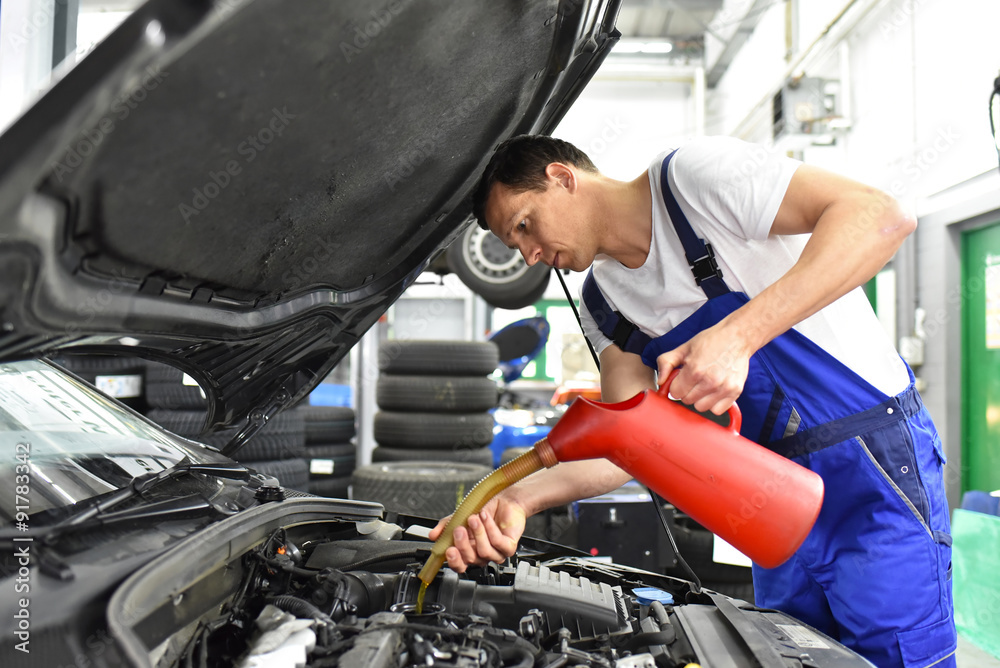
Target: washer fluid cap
<point>647,595</point>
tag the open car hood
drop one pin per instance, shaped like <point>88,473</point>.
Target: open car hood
<point>241,188</point>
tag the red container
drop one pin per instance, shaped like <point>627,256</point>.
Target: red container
<point>758,501</point>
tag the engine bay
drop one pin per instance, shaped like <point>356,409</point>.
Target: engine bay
<point>323,592</point>
<point>351,602</point>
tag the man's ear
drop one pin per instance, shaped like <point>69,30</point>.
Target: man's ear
<point>562,175</point>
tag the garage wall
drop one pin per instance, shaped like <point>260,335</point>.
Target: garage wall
<point>624,123</point>
<point>919,73</point>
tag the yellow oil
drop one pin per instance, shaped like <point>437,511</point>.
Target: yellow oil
<point>420,598</point>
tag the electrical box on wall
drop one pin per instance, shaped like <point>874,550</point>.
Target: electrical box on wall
<point>806,113</point>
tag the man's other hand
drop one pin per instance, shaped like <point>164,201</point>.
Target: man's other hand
<point>714,364</point>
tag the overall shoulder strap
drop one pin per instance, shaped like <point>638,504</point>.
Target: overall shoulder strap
<point>612,324</point>
<point>699,254</point>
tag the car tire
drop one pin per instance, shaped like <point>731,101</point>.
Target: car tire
<point>328,424</point>
<point>494,272</point>
<point>337,488</point>
<point>437,394</point>
<point>165,388</point>
<point>174,396</point>
<point>438,358</point>
<point>510,454</point>
<point>291,473</point>
<point>122,369</point>
<point>261,447</point>
<point>480,456</point>
<point>283,436</point>
<point>433,430</point>
<point>428,489</point>
<point>329,461</point>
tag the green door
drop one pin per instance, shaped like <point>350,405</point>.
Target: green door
<point>981,359</point>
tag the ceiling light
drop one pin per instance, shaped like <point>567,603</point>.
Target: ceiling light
<point>635,46</point>
<point>657,47</point>
<point>628,47</point>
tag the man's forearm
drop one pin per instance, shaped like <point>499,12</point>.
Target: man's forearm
<point>565,483</point>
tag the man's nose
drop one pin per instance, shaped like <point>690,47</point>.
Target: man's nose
<point>531,253</point>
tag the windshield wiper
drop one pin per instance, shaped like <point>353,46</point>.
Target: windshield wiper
<point>99,513</point>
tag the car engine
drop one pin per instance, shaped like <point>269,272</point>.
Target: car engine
<point>319,582</point>
<point>351,603</point>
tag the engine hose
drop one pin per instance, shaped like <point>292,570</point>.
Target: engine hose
<point>287,567</point>
<point>664,637</point>
<point>659,613</point>
<point>509,652</point>
<point>299,608</point>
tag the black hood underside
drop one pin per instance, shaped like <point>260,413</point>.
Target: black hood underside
<point>241,189</point>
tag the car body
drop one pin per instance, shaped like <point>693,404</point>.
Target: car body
<point>240,189</point>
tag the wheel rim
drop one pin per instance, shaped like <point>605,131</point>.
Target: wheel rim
<point>489,259</point>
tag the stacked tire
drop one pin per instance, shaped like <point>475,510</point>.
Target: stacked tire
<point>434,398</point>
<point>330,449</point>
<point>279,449</point>
<point>122,378</point>
<point>433,429</point>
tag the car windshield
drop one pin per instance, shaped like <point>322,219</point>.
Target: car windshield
<point>63,442</point>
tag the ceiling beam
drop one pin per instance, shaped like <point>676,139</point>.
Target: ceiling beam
<point>733,45</point>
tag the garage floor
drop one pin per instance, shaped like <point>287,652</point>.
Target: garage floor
<point>970,656</point>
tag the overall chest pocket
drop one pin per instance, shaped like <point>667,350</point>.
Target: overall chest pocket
<point>890,451</point>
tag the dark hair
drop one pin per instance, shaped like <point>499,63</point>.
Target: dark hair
<point>519,163</point>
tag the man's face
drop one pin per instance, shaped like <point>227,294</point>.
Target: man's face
<point>546,226</point>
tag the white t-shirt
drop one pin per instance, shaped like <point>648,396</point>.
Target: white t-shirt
<point>730,192</point>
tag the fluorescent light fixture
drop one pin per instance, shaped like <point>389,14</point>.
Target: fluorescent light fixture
<point>636,46</point>
<point>657,47</point>
<point>628,47</point>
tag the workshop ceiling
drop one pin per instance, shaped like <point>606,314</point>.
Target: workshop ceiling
<point>667,19</point>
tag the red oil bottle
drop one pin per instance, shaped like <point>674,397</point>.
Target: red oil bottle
<point>758,501</point>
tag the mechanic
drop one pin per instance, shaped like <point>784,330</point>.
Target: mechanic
<point>742,269</point>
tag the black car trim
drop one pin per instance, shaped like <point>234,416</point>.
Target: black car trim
<point>762,650</point>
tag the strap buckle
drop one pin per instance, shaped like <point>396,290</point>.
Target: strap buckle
<point>622,331</point>
<point>706,267</point>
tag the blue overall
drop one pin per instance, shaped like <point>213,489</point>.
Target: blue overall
<point>875,571</point>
